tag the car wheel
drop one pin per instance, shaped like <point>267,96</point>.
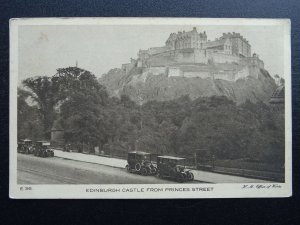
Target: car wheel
<point>153,170</point>
<point>138,167</point>
<point>190,176</point>
<point>144,171</point>
<point>180,177</point>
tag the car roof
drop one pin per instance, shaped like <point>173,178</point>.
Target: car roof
<point>139,153</point>
<point>169,157</point>
<point>44,143</point>
<point>27,140</point>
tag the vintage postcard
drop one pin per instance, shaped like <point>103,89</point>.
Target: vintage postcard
<point>150,108</point>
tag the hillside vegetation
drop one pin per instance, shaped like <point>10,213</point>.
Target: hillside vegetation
<point>178,126</point>
<point>145,87</point>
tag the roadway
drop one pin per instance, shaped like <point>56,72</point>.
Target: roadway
<point>36,170</point>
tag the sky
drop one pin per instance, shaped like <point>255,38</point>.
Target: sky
<point>99,48</point>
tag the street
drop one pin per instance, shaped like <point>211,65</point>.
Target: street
<point>36,170</point>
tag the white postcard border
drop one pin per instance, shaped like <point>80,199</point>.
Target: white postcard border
<point>236,190</point>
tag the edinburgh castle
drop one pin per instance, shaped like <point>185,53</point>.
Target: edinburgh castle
<point>191,54</point>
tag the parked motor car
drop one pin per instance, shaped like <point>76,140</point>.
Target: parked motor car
<point>42,149</point>
<point>173,168</point>
<point>25,146</point>
<point>141,163</point>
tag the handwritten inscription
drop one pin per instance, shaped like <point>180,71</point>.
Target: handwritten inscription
<point>261,186</point>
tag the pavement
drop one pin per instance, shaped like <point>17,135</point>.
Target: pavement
<point>203,176</point>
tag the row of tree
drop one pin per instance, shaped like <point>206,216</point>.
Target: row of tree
<point>177,127</point>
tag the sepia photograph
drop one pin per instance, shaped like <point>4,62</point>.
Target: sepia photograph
<point>150,108</point>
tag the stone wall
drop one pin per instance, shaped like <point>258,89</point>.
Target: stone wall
<point>185,56</point>
<point>201,74</point>
<point>158,70</point>
<point>158,50</point>
<point>127,67</point>
<point>254,60</point>
<point>198,56</point>
<point>244,72</point>
<point>201,56</point>
<point>253,71</point>
<point>219,57</point>
<point>229,76</point>
<point>174,72</point>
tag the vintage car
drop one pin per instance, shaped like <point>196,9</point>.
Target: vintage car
<point>42,149</point>
<point>140,162</point>
<point>173,168</point>
<point>25,146</point>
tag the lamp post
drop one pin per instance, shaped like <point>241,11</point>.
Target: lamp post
<point>140,102</point>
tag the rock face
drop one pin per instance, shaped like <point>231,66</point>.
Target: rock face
<point>144,86</point>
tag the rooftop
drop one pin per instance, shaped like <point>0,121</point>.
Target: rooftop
<point>140,153</point>
<point>170,157</point>
<point>215,43</point>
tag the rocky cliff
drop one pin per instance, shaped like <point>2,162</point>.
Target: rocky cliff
<point>142,87</point>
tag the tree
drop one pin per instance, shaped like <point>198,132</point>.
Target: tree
<point>28,118</point>
<point>82,105</point>
<point>43,93</point>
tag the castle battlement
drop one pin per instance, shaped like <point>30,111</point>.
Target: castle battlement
<point>234,35</point>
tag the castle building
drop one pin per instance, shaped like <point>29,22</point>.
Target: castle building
<point>240,46</point>
<point>223,45</point>
<point>228,43</point>
<point>190,54</point>
<point>182,40</point>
